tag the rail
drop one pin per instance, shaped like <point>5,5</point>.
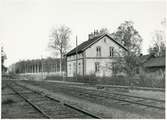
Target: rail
<point>88,113</point>
<point>31,103</point>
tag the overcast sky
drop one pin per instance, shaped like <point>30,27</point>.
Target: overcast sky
<point>25,25</point>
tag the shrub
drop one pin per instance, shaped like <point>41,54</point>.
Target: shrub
<point>90,79</point>
<point>142,80</point>
<point>151,81</point>
<point>114,80</point>
<point>54,77</point>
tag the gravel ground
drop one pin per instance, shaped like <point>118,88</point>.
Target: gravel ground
<point>104,111</point>
<point>15,107</point>
<point>141,93</point>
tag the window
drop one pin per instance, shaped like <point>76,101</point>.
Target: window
<point>69,68</point>
<point>79,67</point>
<point>114,68</point>
<point>104,40</point>
<point>74,67</point>
<point>111,49</point>
<point>97,66</point>
<point>98,51</point>
<point>137,70</point>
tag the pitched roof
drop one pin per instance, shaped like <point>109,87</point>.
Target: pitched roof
<point>144,58</point>
<point>83,46</point>
<point>155,62</point>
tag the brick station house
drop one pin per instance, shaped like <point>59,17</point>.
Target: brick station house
<point>94,56</point>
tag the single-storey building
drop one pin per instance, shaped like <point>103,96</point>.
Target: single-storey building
<point>155,67</point>
<point>152,66</point>
<point>94,56</point>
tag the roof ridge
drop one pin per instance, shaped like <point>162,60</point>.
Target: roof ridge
<point>81,47</point>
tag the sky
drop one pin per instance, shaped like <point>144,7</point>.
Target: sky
<point>25,25</point>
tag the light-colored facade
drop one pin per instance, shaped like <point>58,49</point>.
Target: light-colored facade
<point>95,58</point>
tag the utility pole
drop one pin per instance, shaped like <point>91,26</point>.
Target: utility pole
<point>42,68</point>
<point>76,56</point>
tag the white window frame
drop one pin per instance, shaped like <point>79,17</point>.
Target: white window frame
<point>98,51</point>
<point>97,66</point>
<point>111,51</point>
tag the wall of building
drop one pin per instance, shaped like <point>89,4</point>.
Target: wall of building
<point>105,59</point>
<point>91,51</point>
<point>154,72</point>
<point>105,68</point>
<point>71,67</point>
<point>88,59</point>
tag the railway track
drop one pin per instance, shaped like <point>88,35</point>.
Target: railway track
<point>47,106</point>
<point>118,97</point>
<point>129,99</point>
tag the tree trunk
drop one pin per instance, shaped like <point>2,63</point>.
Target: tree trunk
<point>61,62</point>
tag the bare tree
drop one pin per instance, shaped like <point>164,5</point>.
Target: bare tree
<point>158,48</point>
<point>59,41</point>
<point>3,58</point>
<point>103,30</point>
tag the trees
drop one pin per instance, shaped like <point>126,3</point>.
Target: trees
<point>59,41</point>
<point>3,58</point>
<point>128,36</point>
<point>103,30</point>
<point>158,48</point>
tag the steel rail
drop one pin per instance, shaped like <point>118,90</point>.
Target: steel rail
<point>117,93</point>
<point>139,103</point>
<point>66,104</point>
<point>31,103</point>
<point>133,102</point>
<point>110,97</point>
<point>77,109</point>
<point>132,96</point>
<point>15,93</point>
<point>119,99</point>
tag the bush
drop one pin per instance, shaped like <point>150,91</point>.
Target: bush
<point>150,81</point>
<point>54,77</point>
<point>92,79</point>
<point>114,80</point>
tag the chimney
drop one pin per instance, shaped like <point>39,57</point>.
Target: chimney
<point>91,36</point>
<point>95,33</point>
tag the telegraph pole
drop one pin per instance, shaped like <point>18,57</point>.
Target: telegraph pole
<point>42,68</point>
<point>76,56</point>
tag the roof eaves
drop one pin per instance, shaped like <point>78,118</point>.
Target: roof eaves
<point>93,42</point>
<point>117,42</point>
<point>102,37</point>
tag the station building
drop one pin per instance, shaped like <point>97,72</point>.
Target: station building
<point>94,56</point>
